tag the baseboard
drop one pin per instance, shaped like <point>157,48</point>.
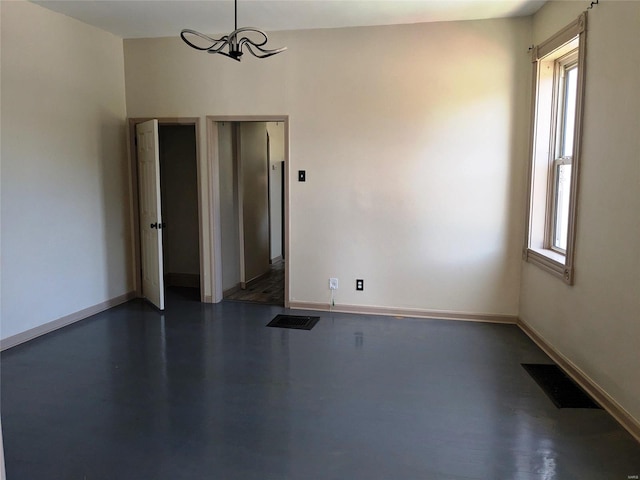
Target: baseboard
<point>189,280</point>
<point>624,418</point>
<point>275,260</point>
<point>48,327</point>
<point>253,281</point>
<point>231,291</point>
<point>407,312</point>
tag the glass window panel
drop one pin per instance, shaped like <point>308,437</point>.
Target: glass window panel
<point>562,194</point>
<point>569,114</point>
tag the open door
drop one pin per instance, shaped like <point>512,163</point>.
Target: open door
<point>150,212</point>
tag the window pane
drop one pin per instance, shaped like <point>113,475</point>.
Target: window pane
<point>569,114</point>
<point>561,213</point>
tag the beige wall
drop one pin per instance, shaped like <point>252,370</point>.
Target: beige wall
<point>414,139</point>
<point>66,238</point>
<point>595,323</point>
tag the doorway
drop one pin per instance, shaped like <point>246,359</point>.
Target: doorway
<point>252,180</point>
<point>179,201</point>
<point>178,228</point>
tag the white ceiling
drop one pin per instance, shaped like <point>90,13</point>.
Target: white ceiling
<point>164,18</point>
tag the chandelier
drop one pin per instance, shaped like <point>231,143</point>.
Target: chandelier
<point>234,42</point>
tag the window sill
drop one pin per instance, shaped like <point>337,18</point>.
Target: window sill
<point>550,261</point>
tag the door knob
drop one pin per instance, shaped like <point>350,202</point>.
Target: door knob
<point>154,225</point>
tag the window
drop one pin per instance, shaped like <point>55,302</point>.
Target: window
<point>566,71</point>
<point>558,75</point>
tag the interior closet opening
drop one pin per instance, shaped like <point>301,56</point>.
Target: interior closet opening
<point>179,205</point>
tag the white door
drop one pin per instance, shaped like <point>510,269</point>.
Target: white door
<point>150,212</point>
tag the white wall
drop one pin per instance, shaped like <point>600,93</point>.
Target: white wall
<point>276,157</point>
<point>414,139</point>
<point>595,323</point>
<point>66,239</point>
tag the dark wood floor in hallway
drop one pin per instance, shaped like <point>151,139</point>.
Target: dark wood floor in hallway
<point>208,392</point>
<point>268,289</point>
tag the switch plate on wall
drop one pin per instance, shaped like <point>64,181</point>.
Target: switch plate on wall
<point>302,176</point>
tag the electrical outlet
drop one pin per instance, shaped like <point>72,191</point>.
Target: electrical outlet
<point>360,284</point>
<point>333,284</point>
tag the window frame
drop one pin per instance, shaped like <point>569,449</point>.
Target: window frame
<point>545,148</point>
<point>562,65</point>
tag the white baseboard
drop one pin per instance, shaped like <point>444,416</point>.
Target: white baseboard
<point>32,333</point>
<point>407,312</point>
<point>624,418</point>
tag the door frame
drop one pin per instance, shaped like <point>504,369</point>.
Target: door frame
<point>135,204</point>
<point>213,162</point>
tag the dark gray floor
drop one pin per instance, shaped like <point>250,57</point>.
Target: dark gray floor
<point>207,392</point>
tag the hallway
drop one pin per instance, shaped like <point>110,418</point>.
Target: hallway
<point>268,290</point>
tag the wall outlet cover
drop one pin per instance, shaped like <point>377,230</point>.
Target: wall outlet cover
<point>333,284</point>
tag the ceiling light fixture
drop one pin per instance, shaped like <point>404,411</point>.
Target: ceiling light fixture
<point>235,41</point>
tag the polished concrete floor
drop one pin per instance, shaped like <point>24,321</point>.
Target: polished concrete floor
<point>208,392</point>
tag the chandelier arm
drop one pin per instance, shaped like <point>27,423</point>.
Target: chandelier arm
<point>259,52</point>
<point>224,42</point>
<point>214,42</point>
<point>235,57</point>
<point>238,31</point>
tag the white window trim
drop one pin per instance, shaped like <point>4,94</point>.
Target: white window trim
<point>557,263</point>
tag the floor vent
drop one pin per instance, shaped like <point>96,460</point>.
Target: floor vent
<point>562,391</point>
<point>293,321</point>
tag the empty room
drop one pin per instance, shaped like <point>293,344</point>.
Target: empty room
<point>448,193</point>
